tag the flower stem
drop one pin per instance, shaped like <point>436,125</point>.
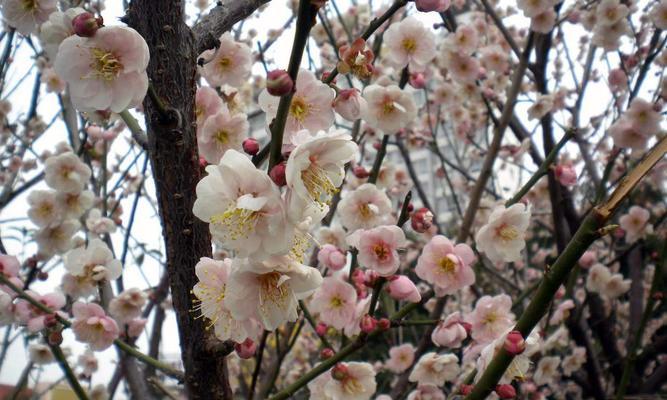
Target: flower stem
<point>67,370</point>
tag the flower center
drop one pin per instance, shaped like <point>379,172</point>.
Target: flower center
<point>381,251</point>
<point>29,5</point>
<point>224,63</point>
<point>299,109</point>
<point>447,266</point>
<point>507,232</point>
<point>365,211</point>
<point>490,318</point>
<point>337,302</point>
<point>237,222</point>
<point>272,289</point>
<point>222,137</point>
<point>409,45</point>
<point>105,64</point>
<point>352,386</point>
<point>318,184</point>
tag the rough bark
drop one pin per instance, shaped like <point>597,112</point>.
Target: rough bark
<point>175,164</point>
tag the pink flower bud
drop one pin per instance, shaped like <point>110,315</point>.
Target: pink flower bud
<point>277,174</point>
<point>339,372</point>
<point>321,329</point>
<point>514,343</point>
<point>565,174</point>
<point>251,146</point>
<point>202,162</point>
<point>400,287</point>
<point>506,391</point>
<point>349,104</point>
<point>383,324</point>
<point>331,257</point>
<point>421,220</point>
<point>466,389</point>
<point>279,83</point>
<point>50,321</point>
<point>85,24</point>
<point>367,323</point>
<point>246,349</point>
<point>55,338</point>
<point>360,172</point>
<point>326,353</point>
<point>588,259</point>
<point>370,278</point>
<point>417,80</point>
<point>432,5</point>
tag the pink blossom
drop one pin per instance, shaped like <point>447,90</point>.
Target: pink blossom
<point>9,268</point>
<point>435,369</point>
<point>426,392</point>
<point>331,257</point>
<point>91,325</point>
<point>410,43</point>
<point>562,312</point>
<point>503,237</point>
<point>207,103</point>
<point>26,16</point>
<point>106,71</point>
<point>644,117</point>
<point>446,266</point>
<point>364,208</point>
<point>221,132</point>
<point>228,65</point>
<point>349,104</point>
<point>491,318</point>
<point>335,301</point>
<point>400,358</point>
<point>588,259</point>
<point>625,135</point>
<point>400,287</point>
<point>450,332</point>
<point>462,67</point>
<point>389,108</point>
<point>378,248</point>
<point>634,223</point>
<point>565,174</point>
<point>33,317</point>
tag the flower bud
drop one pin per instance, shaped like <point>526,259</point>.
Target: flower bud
<point>50,320</point>
<point>565,174</point>
<point>326,353</point>
<point>321,329</point>
<point>421,220</point>
<point>383,324</point>
<point>331,257</point>
<point>514,343</point>
<point>55,338</point>
<point>251,146</point>
<point>349,104</point>
<point>85,24</point>
<point>506,391</point>
<point>367,323</point>
<point>400,287</point>
<point>42,275</point>
<point>417,80</point>
<point>466,389</point>
<point>432,5</point>
<point>246,349</point>
<point>339,372</point>
<point>360,172</point>
<point>279,83</point>
<point>370,278</point>
<point>277,174</point>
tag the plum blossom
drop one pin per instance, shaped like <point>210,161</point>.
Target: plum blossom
<point>56,29</point>
<point>541,107</point>
<point>353,328</point>
<point>349,104</point>
<point>389,108</point>
<point>601,280</point>
<point>127,305</point>
<point>410,43</point>
<point>229,65</point>
<point>358,383</point>
<point>503,237</point>
<point>635,223</point>
<point>106,71</point>
<point>31,316</point>
<point>74,205</point>
<point>207,103</point>
<point>644,117</point>
<point>40,354</point>
<point>659,15</point>
<point>221,132</point>
<point>492,316</point>
<point>315,168</point>
<point>378,248</point>
<point>242,206</point>
<point>268,291</point>
<point>335,301</point>
<point>435,369</point>
<point>445,265</point>
<point>66,173</point>
<point>450,332</point>
<point>27,15</point>
<point>91,325</point>
<point>364,208</point>
<point>400,358</point>
<point>211,302</point>
<point>356,59</point>
<point>44,210</point>
<point>311,106</point>
<point>426,392</point>
<point>89,266</point>
<point>547,370</point>
<point>520,364</point>
<point>57,239</point>
<point>532,8</point>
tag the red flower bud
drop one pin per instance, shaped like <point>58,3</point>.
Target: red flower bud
<point>251,146</point>
<point>50,320</point>
<point>321,329</point>
<point>384,324</point>
<point>367,323</point>
<point>360,172</point>
<point>326,353</point>
<point>506,391</point>
<point>279,83</point>
<point>277,174</point>
<point>466,389</point>
<point>55,338</point>
<point>246,349</point>
<point>85,24</point>
<point>339,372</point>
<point>421,220</point>
<point>514,343</point>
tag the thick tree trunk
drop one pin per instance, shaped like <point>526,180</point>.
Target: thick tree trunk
<point>175,164</point>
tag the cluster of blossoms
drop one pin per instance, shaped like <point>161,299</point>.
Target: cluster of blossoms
<point>313,255</point>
